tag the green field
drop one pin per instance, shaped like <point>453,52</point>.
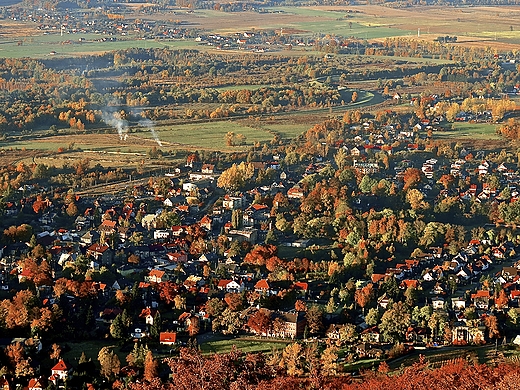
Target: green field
<point>470,131</point>
<point>208,135</point>
<point>241,87</point>
<point>244,345</point>
<point>69,44</point>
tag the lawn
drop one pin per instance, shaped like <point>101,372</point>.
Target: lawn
<point>245,345</point>
<point>91,349</point>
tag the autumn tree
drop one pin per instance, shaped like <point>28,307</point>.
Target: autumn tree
<point>329,358</point>
<point>314,317</point>
<point>151,367</point>
<point>138,355</point>
<point>260,322</point>
<point>236,177</point>
<point>412,177</point>
<point>364,296</point>
<point>110,364</point>
<point>292,359</point>
<point>235,301</point>
<point>300,305</point>
<point>194,326</point>
<point>55,353</point>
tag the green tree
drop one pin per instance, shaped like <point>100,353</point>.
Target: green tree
<point>395,322</point>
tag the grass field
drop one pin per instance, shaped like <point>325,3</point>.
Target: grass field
<point>67,45</point>
<point>470,131</point>
<point>245,345</point>
<point>91,349</point>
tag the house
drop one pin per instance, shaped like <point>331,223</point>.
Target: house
<point>162,234</point>
<point>208,168</point>
<point>233,202</point>
<point>463,334</point>
<point>61,370</point>
<point>167,338</point>
<point>90,237</point>
<point>294,324</point>
<point>148,314</point>
<point>206,222</point>
<point>37,384</point>
<point>108,227</point>
<point>458,303</point>
<point>157,276</point>
<point>295,192</point>
<point>438,303</point>
<point>371,335</point>
<point>264,287</point>
<point>481,299</point>
<point>247,234</point>
<point>101,253</point>
<point>230,285</point>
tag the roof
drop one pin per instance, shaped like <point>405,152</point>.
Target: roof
<point>167,337</point>
<point>301,286</point>
<point>157,273</point>
<point>99,248</point>
<point>481,294</point>
<point>223,283</point>
<point>61,366</point>
<point>262,284</point>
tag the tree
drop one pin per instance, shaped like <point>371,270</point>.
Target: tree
<point>214,307</point>
<point>235,301</point>
<point>180,302</point>
<point>229,322</point>
<point>348,333</point>
<point>110,364</point>
<point>138,355</point>
<point>314,317</point>
<point>492,327</point>
<point>395,322</point>
<point>373,316</point>
<point>329,359</point>
<point>416,199</point>
<point>194,326</point>
<point>364,295</point>
<point>260,322</point>
<point>117,328</point>
<point>412,177</point>
<point>55,352</point>
<point>151,367</point>
<point>292,359</point>
<point>502,300</point>
<point>155,328</point>
<point>236,177</point>
<point>300,305</point>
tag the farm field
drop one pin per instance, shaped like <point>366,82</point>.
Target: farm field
<point>477,26</point>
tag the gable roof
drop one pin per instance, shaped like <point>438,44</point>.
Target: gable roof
<point>61,366</point>
<point>262,284</point>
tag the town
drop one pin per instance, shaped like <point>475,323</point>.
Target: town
<point>191,200</point>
